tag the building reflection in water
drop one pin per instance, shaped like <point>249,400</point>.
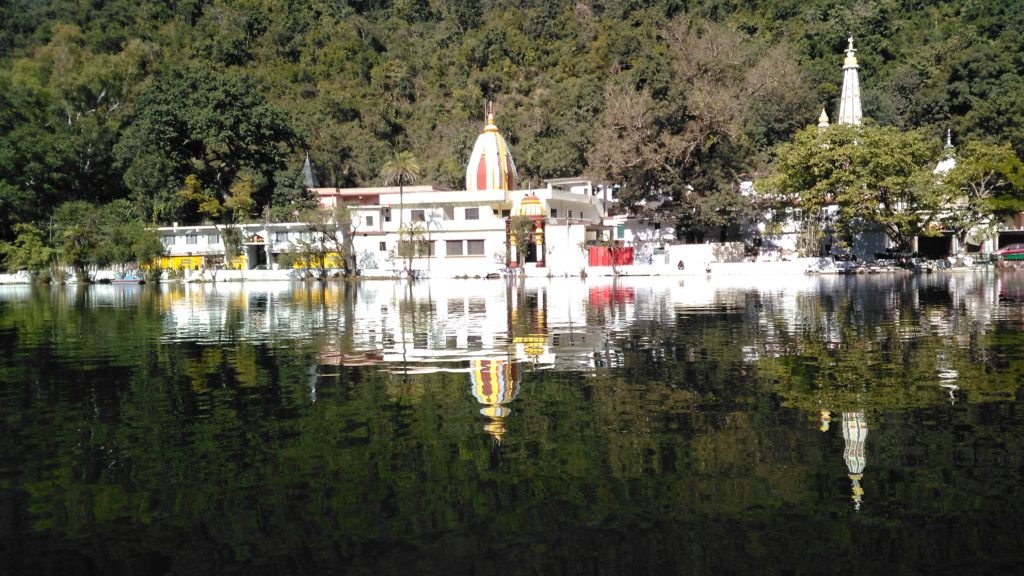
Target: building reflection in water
<point>527,324</point>
<point>495,383</point>
<point>571,325</point>
<point>855,435</point>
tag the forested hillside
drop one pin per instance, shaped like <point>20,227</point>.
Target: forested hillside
<point>101,101</point>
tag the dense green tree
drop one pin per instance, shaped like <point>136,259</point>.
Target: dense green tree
<point>216,127</point>
<point>127,241</point>
<point>872,176</point>
<point>28,156</point>
<point>100,101</point>
<point>985,186</point>
<point>78,233</point>
<point>290,197</point>
<point>688,144</point>
<point>28,251</point>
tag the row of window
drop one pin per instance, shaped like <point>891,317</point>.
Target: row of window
<point>451,248</point>
<point>448,214</point>
<point>470,214</point>
<point>191,239</point>
<point>415,216</point>
<point>464,248</point>
<point>214,239</point>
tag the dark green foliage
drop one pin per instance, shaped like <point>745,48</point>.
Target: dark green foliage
<point>84,234</point>
<point>195,122</point>
<point>108,100</point>
<point>28,251</point>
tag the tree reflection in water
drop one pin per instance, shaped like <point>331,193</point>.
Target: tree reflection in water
<point>644,427</point>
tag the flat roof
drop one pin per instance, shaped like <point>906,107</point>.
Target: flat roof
<point>370,191</point>
<point>579,180</point>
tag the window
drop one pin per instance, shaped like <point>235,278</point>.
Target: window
<point>369,220</point>
<point>383,246</point>
<point>418,216</point>
<point>422,249</point>
<point>554,212</point>
<point>420,340</point>
<point>212,239</point>
<point>387,214</point>
<point>506,213</point>
<point>167,240</point>
<point>449,213</point>
<point>472,213</point>
<point>470,248</point>
<point>456,307</point>
<point>191,239</point>
<point>280,236</point>
<point>620,231</point>
<point>570,214</point>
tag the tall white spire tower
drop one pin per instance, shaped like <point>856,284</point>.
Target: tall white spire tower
<point>849,100</point>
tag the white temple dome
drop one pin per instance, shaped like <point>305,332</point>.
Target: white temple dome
<point>490,165</point>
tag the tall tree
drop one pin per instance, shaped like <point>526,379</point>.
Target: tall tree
<point>862,177</point>
<point>685,144</point>
<point>987,183</point>
<point>77,235</point>
<point>217,127</point>
<point>28,251</point>
<point>401,169</point>
<point>338,226</point>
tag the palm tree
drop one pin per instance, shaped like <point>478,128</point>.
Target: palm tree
<point>403,168</point>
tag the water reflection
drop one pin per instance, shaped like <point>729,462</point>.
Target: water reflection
<point>495,384</point>
<point>868,338</point>
<point>855,436</point>
<point>544,426</point>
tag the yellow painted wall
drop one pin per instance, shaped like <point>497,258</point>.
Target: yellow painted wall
<point>192,262</point>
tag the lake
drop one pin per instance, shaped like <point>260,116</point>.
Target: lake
<point>774,425</point>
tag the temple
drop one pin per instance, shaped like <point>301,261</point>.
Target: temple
<point>490,164</point>
<point>561,227</point>
<point>849,99</point>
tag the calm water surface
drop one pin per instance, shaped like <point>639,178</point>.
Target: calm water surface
<point>852,425</point>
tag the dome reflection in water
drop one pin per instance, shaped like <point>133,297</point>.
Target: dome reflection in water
<point>551,426</point>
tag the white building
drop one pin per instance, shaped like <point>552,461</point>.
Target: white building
<point>466,230</point>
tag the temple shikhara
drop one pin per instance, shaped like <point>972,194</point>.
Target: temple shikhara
<point>849,99</point>
<point>490,164</point>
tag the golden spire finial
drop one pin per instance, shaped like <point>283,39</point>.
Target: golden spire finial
<point>856,491</point>
<point>826,419</point>
<point>851,59</point>
<point>823,119</point>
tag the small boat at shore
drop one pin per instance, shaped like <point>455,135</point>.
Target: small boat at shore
<point>128,278</point>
